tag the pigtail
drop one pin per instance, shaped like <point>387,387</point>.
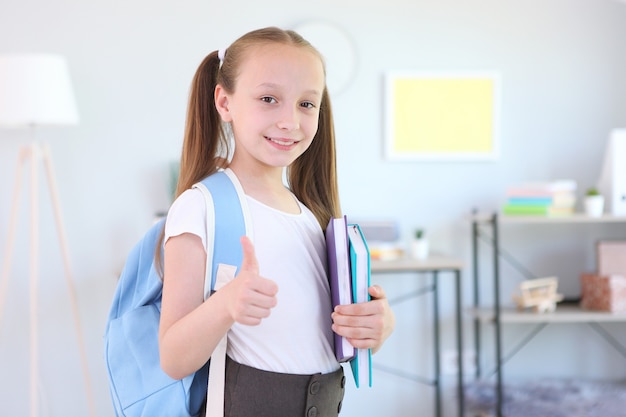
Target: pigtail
<point>205,144</point>
<point>313,176</point>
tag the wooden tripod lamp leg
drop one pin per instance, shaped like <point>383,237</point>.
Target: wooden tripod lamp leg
<point>36,154</point>
<point>34,275</point>
<point>56,204</point>
<point>24,154</point>
<point>8,250</point>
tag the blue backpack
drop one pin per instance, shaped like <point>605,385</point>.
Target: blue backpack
<point>138,385</point>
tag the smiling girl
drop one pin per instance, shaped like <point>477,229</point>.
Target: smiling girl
<point>260,110</point>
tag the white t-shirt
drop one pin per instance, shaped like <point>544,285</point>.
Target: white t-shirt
<point>297,337</point>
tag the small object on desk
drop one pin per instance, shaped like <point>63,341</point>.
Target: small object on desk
<point>594,202</point>
<point>382,238</point>
<point>419,245</point>
<point>385,251</point>
<point>540,294</point>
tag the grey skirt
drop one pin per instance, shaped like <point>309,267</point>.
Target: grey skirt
<point>251,392</point>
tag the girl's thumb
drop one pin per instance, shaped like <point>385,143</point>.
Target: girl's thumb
<point>249,262</point>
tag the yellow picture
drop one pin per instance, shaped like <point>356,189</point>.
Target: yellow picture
<point>442,116</point>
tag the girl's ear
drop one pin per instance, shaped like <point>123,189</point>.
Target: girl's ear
<point>221,103</point>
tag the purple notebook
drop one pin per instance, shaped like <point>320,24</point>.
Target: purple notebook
<point>339,277</point>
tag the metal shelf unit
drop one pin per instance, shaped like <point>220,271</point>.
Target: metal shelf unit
<point>499,315</point>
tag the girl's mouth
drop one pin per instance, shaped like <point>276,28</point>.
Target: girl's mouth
<point>281,142</point>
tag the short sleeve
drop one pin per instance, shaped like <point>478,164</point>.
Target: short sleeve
<point>187,215</point>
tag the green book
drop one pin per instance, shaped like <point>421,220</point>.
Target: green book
<point>528,209</point>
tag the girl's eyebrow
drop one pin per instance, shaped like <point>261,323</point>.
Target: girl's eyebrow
<point>277,86</point>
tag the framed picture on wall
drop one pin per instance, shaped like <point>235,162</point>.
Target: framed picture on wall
<point>443,116</point>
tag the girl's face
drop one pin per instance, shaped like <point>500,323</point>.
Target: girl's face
<point>274,109</point>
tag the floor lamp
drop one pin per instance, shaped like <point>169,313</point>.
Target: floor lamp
<point>35,91</point>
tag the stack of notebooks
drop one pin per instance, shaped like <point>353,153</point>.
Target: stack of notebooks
<point>550,198</point>
<point>349,276</point>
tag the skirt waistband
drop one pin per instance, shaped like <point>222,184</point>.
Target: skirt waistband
<point>252,392</point>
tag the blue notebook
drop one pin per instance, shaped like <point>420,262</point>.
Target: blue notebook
<point>361,364</point>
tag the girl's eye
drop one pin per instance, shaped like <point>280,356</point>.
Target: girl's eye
<point>268,99</point>
<point>308,105</point>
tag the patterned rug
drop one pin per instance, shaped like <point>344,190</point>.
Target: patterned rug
<point>549,398</point>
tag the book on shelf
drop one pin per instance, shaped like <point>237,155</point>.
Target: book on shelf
<point>337,246</point>
<point>551,198</point>
<point>566,199</point>
<point>361,364</point>
<point>530,210</point>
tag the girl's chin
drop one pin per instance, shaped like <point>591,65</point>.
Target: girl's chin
<point>280,164</point>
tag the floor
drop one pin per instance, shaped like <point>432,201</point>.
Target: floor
<point>549,398</point>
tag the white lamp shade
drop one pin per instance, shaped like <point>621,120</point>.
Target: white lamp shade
<point>35,90</point>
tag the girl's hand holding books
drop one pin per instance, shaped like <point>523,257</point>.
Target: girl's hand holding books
<point>366,325</point>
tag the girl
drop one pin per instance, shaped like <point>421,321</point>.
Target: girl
<point>266,93</point>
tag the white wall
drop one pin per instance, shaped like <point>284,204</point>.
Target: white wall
<point>562,64</point>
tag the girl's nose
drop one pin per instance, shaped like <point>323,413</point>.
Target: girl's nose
<point>289,118</point>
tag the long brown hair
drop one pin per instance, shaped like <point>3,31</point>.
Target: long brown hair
<point>206,145</point>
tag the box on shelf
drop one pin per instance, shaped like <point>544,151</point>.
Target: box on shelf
<point>603,292</point>
<point>611,257</point>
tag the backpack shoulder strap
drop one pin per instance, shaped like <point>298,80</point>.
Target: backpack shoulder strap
<point>228,219</point>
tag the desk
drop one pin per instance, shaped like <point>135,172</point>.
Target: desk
<point>434,265</point>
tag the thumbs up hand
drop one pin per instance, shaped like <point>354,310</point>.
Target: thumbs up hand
<point>250,297</point>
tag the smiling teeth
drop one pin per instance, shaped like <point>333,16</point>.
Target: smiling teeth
<point>282,142</point>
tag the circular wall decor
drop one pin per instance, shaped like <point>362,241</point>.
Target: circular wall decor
<point>338,50</point>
